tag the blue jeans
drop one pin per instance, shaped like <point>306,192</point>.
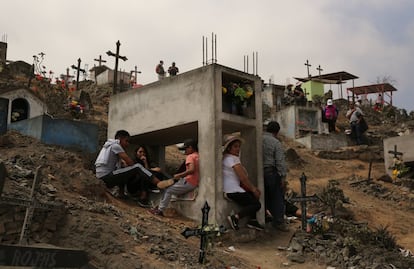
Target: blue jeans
<point>178,188</point>
<point>274,195</point>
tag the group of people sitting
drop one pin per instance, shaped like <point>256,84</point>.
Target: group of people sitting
<point>294,95</point>
<point>137,176</point>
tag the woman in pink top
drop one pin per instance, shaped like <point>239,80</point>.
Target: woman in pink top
<point>186,181</point>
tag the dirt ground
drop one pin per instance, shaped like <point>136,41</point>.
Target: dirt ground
<point>114,246</point>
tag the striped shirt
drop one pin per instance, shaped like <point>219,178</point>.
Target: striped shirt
<point>273,154</point>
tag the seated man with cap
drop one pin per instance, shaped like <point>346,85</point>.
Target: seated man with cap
<point>183,182</point>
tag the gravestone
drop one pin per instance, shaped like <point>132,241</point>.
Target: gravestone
<point>33,256</point>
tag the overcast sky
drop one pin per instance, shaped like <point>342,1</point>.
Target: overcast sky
<point>368,38</point>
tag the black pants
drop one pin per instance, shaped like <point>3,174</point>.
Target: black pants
<point>131,176</point>
<point>249,204</point>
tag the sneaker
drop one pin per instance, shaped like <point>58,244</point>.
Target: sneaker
<point>254,224</point>
<point>166,183</point>
<point>145,203</point>
<point>268,217</point>
<point>156,211</point>
<point>282,227</point>
<point>155,190</point>
<point>234,222</point>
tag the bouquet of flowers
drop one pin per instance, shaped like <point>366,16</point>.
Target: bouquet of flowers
<point>399,169</point>
<point>237,94</point>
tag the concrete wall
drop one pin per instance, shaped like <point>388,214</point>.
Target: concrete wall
<point>405,144</point>
<point>190,105</point>
<point>108,77</point>
<point>297,121</point>
<point>313,88</point>
<point>36,106</point>
<point>3,52</point>
<point>325,142</point>
<point>4,108</point>
<point>61,132</point>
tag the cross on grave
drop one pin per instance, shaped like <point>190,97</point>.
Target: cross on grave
<point>319,69</point>
<point>66,77</point>
<point>30,256</point>
<point>303,199</point>
<point>78,70</point>
<point>307,66</point>
<point>117,56</point>
<point>136,72</point>
<point>31,204</point>
<point>395,152</point>
<point>204,231</point>
<point>100,61</point>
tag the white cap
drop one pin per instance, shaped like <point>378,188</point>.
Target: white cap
<point>329,102</point>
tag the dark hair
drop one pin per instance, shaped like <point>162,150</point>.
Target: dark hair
<point>146,153</point>
<point>121,134</point>
<point>190,142</point>
<point>273,127</point>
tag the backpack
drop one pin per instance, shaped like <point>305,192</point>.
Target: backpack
<point>331,112</point>
<point>157,69</point>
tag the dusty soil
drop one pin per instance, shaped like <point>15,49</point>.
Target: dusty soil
<point>119,234</point>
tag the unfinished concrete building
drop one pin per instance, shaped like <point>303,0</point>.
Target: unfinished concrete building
<point>194,105</point>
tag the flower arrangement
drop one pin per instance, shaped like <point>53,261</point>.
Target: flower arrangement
<point>398,168</point>
<point>237,95</point>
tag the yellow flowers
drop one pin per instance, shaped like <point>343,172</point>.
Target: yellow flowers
<point>249,93</point>
<point>399,169</point>
<point>224,90</point>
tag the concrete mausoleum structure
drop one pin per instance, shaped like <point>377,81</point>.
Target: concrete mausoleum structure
<point>192,105</point>
<point>21,104</point>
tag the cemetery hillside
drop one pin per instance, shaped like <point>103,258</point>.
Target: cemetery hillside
<point>50,197</point>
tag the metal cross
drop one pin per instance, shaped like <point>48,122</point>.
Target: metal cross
<point>303,199</point>
<point>307,66</point>
<point>66,77</point>
<point>31,204</point>
<point>100,61</point>
<point>319,69</point>
<point>78,70</point>
<point>204,231</point>
<point>395,152</point>
<point>117,56</point>
<point>136,72</point>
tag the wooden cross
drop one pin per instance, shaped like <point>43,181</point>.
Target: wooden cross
<point>303,199</point>
<point>31,204</point>
<point>307,66</point>
<point>395,152</point>
<point>319,69</point>
<point>100,61</point>
<point>78,70</point>
<point>117,56</point>
<point>204,231</point>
